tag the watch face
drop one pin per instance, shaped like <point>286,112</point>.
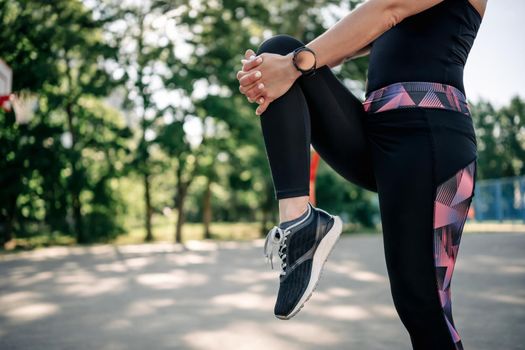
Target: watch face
<point>305,60</point>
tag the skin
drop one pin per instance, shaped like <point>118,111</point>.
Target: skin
<point>266,77</point>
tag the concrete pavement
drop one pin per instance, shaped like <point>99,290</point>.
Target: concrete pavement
<point>221,295</point>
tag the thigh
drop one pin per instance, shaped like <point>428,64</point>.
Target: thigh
<point>424,161</point>
<point>337,131</point>
<point>334,114</point>
<point>403,164</point>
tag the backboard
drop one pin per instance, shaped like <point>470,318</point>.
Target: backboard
<point>6,79</point>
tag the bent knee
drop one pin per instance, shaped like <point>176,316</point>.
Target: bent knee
<point>281,44</point>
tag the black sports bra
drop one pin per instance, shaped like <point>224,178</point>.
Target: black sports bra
<point>431,46</point>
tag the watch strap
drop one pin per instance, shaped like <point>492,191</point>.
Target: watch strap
<point>304,72</point>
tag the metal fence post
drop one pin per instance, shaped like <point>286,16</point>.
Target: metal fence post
<point>499,207</point>
<point>478,213</point>
<point>522,196</point>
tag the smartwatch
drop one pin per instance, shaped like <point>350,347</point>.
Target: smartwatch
<point>308,71</point>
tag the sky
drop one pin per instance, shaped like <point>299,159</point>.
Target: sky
<point>495,69</point>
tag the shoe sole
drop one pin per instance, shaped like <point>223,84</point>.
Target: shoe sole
<point>321,254</point>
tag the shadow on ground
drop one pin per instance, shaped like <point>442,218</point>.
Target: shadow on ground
<point>221,295</point>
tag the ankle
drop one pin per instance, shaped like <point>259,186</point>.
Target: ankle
<point>292,208</point>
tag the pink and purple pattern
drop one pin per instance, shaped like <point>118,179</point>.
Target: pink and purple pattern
<point>416,94</point>
<point>451,205</point>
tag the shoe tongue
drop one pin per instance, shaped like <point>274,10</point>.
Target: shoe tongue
<point>304,215</point>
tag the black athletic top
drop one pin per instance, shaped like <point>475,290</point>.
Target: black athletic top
<point>431,46</point>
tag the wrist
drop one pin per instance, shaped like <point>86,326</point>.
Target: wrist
<point>304,60</point>
<point>293,71</point>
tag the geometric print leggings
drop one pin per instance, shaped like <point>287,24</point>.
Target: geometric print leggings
<point>453,197</point>
<point>411,142</point>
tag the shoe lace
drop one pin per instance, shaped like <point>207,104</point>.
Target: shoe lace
<point>276,238</point>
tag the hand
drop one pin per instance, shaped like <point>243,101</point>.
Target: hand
<point>250,61</point>
<point>266,77</point>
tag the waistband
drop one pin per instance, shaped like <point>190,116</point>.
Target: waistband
<point>416,94</point>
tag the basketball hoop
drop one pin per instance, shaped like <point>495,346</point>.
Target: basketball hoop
<point>5,102</point>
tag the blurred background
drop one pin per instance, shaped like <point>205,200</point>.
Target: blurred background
<point>133,128</point>
<point>122,125</point>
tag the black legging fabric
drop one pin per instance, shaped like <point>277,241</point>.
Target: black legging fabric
<point>404,155</point>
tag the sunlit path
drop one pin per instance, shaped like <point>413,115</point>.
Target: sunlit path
<point>220,296</point>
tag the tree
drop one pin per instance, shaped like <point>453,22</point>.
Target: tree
<point>220,33</point>
<point>501,144</point>
<point>62,57</point>
<point>146,59</point>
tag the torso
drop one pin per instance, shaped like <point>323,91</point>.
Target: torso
<point>431,46</point>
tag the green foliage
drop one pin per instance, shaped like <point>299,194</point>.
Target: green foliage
<point>180,142</point>
<point>501,138</point>
<point>58,166</point>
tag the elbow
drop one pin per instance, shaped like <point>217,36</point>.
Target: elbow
<point>394,12</point>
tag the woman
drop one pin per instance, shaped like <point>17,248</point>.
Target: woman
<point>412,141</point>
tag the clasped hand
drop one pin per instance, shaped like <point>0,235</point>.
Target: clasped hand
<point>266,77</point>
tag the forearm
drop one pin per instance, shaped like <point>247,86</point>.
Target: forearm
<point>360,53</point>
<point>357,30</point>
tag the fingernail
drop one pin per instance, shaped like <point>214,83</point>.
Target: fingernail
<point>252,57</point>
<point>259,60</point>
<point>258,74</point>
<point>261,100</point>
<point>260,86</point>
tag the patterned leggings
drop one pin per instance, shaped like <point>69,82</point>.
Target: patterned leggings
<point>412,143</point>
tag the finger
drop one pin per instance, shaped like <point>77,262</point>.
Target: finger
<point>251,63</point>
<point>250,78</point>
<point>241,74</point>
<point>259,100</point>
<point>255,91</point>
<point>260,110</point>
<point>245,89</point>
<point>249,53</point>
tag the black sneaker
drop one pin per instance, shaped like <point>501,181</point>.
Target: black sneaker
<point>304,247</point>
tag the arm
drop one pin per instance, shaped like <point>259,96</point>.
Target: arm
<point>362,52</point>
<point>361,27</point>
<point>268,76</point>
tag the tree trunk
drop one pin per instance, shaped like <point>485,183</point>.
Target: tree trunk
<point>206,210</point>
<point>267,207</point>
<point>8,219</point>
<point>7,231</point>
<point>143,148</point>
<point>77,217</point>
<point>179,205</point>
<point>76,204</point>
<point>149,211</point>
<point>264,221</point>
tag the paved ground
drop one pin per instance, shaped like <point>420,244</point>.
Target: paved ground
<point>221,297</point>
